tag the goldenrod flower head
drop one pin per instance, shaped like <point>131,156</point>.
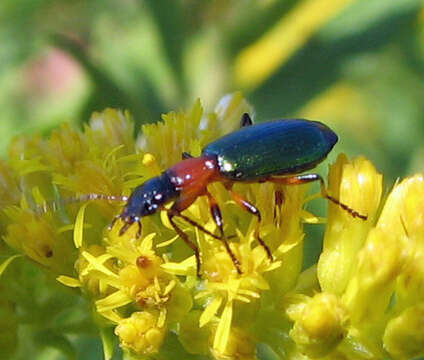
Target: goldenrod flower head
<point>140,333</point>
<point>240,346</point>
<point>358,184</point>
<point>404,334</point>
<point>375,267</point>
<point>361,301</point>
<point>84,267</point>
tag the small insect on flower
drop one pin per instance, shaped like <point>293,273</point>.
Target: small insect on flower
<point>275,151</point>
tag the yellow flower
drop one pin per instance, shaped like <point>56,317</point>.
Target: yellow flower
<point>361,301</point>
<point>404,334</point>
<point>358,184</point>
<point>372,268</point>
<point>240,346</point>
<point>319,324</point>
<point>140,333</point>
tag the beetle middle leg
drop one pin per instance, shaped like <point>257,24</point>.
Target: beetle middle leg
<point>306,178</point>
<point>176,210</point>
<point>254,211</point>
<point>217,218</point>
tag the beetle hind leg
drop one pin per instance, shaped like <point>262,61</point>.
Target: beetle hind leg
<point>306,178</point>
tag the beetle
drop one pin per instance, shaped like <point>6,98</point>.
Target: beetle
<point>278,151</point>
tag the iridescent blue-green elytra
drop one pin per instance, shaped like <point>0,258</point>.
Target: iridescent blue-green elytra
<point>279,147</point>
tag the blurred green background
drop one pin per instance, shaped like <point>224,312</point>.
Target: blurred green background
<point>357,65</point>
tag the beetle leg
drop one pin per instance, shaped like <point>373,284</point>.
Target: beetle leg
<point>246,120</point>
<point>140,227</point>
<point>217,218</point>
<point>306,178</point>
<point>200,227</point>
<point>185,155</point>
<point>278,202</point>
<point>254,211</point>
<point>182,204</point>
<point>115,219</point>
<point>179,206</point>
<point>183,235</point>
<point>125,228</point>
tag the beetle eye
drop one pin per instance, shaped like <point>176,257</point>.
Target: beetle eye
<point>149,208</point>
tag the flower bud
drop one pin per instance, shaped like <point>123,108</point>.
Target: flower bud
<point>379,264</point>
<point>404,334</point>
<point>140,333</point>
<point>358,185</point>
<point>319,324</point>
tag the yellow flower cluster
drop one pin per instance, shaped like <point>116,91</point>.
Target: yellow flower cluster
<point>370,300</point>
<point>363,300</point>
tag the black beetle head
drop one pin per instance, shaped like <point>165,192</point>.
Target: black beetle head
<point>146,199</point>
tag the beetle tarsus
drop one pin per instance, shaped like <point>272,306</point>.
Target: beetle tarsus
<point>234,259</point>
<point>346,208</point>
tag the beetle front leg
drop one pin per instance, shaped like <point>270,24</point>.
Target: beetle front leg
<point>254,211</point>
<point>171,213</point>
<point>180,206</point>
<point>185,155</point>
<point>217,218</point>
<point>307,178</point>
<point>113,222</point>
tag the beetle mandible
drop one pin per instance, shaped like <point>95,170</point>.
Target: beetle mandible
<point>277,151</point>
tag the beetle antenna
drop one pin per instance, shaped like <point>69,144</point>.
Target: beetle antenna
<point>54,206</point>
